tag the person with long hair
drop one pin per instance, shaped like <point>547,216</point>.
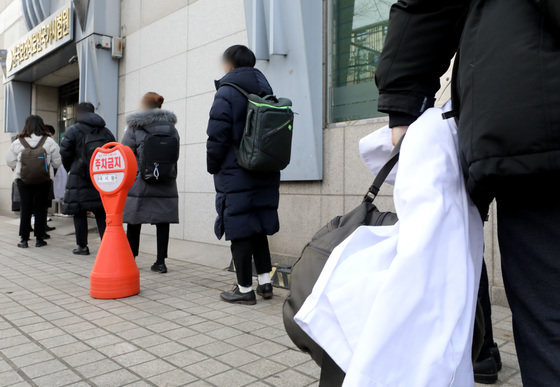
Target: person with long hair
<point>33,157</point>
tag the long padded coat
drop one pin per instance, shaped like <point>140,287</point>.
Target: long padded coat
<point>246,202</point>
<point>506,82</point>
<point>80,194</point>
<point>154,202</point>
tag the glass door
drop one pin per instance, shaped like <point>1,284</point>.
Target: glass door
<point>68,96</point>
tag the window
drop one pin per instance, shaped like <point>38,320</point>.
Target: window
<point>358,32</point>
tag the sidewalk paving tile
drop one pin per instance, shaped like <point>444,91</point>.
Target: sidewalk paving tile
<point>175,332</point>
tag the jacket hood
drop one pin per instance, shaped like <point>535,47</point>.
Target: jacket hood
<point>143,118</point>
<point>250,79</point>
<point>92,119</point>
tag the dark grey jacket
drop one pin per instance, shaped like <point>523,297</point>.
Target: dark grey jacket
<point>156,202</point>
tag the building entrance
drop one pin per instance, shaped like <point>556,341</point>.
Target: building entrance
<point>68,97</point>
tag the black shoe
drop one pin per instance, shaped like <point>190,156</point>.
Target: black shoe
<point>265,291</point>
<point>81,251</point>
<point>159,268</point>
<point>495,353</point>
<point>49,228</point>
<point>486,371</point>
<point>23,244</point>
<point>40,243</point>
<point>236,297</point>
<point>46,236</point>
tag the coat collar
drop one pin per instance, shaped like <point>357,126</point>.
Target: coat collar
<point>148,117</point>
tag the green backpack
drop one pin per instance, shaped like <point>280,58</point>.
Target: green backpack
<point>266,145</point>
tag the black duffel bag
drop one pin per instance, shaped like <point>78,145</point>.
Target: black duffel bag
<point>314,256</point>
<point>308,267</point>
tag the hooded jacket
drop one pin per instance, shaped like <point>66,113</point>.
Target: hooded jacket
<point>157,202</point>
<point>80,193</point>
<point>505,83</point>
<point>246,201</point>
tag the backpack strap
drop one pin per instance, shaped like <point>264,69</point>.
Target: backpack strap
<point>242,91</point>
<point>25,144</point>
<point>383,173</point>
<point>42,141</point>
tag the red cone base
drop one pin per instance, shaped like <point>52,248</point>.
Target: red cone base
<point>114,274</point>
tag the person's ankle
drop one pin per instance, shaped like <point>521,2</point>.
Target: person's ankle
<point>264,278</point>
<point>245,289</point>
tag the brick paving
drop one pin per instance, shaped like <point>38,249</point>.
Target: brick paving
<point>175,332</point>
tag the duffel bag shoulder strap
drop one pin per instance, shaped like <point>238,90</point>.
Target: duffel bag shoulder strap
<point>384,172</point>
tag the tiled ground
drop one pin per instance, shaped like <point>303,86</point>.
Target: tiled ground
<point>176,332</point>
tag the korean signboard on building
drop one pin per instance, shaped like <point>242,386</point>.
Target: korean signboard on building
<point>54,32</point>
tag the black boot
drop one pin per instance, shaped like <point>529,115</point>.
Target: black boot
<point>40,243</point>
<point>265,291</point>
<point>486,371</point>
<point>23,244</point>
<point>159,268</point>
<point>236,297</point>
<point>81,250</point>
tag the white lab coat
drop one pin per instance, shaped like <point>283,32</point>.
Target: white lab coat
<point>395,305</point>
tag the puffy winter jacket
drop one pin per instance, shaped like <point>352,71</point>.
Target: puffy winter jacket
<point>80,193</point>
<point>246,201</point>
<point>506,82</point>
<point>156,202</point>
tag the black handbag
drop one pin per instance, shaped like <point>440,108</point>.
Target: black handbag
<point>308,267</point>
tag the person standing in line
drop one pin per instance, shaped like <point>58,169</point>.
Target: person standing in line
<point>51,132</point>
<point>77,147</point>
<point>506,102</point>
<point>153,199</point>
<point>32,157</point>
<point>246,202</point>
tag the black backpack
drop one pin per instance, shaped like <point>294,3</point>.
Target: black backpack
<point>91,140</point>
<point>158,155</point>
<point>266,145</point>
<point>34,162</point>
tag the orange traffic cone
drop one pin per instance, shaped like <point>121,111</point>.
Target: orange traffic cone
<point>114,274</point>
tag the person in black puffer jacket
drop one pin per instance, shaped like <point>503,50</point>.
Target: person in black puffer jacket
<point>81,196</point>
<point>246,202</point>
<point>506,95</point>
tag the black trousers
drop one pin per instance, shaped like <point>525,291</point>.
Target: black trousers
<point>484,298</point>
<point>81,226</point>
<point>244,251</point>
<point>34,199</point>
<point>162,236</point>
<point>529,237</point>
